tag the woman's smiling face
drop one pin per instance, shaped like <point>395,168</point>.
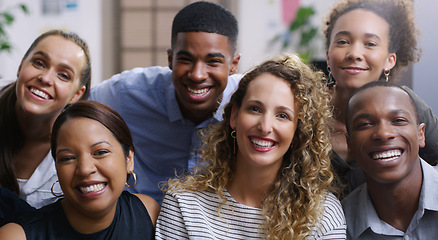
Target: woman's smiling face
<point>91,166</point>
<point>359,48</point>
<point>265,123</point>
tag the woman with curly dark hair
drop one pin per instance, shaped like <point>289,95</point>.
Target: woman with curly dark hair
<point>266,167</point>
<point>370,40</point>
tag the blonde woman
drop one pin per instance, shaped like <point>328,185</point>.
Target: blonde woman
<point>266,167</point>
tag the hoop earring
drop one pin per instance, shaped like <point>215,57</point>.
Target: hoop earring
<point>135,180</point>
<point>331,81</point>
<point>386,72</point>
<point>53,192</point>
<point>233,135</point>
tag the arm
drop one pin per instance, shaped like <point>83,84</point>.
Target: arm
<point>170,223</point>
<point>430,152</point>
<point>151,205</point>
<point>12,231</point>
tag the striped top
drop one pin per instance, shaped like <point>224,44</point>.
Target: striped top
<point>194,215</point>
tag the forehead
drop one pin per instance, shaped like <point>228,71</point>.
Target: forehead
<point>270,86</point>
<point>85,129</point>
<point>379,101</point>
<point>361,20</point>
<point>61,49</point>
<point>202,42</point>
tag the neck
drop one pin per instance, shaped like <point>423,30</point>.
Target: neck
<point>86,222</point>
<point>199,115</point>
<point>249,186</point>
<point>396,203</point>
<point>35,127</point>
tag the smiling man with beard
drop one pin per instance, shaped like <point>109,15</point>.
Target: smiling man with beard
<point>398,199</point>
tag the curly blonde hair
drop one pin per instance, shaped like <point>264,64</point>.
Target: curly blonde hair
<point>294,202</point>
<point>403,34</point>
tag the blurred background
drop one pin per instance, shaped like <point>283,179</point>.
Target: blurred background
<point>123,34</point>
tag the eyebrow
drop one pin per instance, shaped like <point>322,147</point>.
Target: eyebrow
<point>187,53</point>
<point>45,55</point>
<point>281,107</point>
<point>93,145</point>
<point>349,33</point>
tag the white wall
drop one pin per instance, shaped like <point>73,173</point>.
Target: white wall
<point>261,20</point>
<point>425,76</point>
<point>84,19</point>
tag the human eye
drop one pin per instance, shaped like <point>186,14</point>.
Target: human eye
<point>283,116</point>
<point>101,153</point>
<point>341,42</point>
<point>254,109</point>
<point>400,121</point>
<point>64,76</point>
<point>183,59</point>
<point>363,124</point>
<point>371,44</point>
<point>65,158</point>
<point>38,63</point>
<point>215,62</point>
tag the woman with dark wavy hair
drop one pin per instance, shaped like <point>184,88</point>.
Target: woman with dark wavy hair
<point>265,172</point>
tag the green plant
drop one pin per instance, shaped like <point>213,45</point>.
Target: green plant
<point>307,32</point>
<point>7,17</point>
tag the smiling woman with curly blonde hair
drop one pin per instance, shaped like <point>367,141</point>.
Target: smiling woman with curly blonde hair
<point>266,167</point>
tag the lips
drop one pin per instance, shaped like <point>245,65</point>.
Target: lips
<point>40,93</point>
<point>354,70</point>
<point>388,155</point>
<point>262,144</point>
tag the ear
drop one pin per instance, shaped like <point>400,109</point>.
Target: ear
<point>390,61</point>
<point>234,64</point>
<point>233,116</point>
<point>130,162</point>
<point>421,136</point>
<point>170,58</point>
<point>78,95</point>
<point>19,69</point>
<point>327,58</point>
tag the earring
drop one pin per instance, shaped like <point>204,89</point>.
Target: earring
<point>53,192</point>
<point>386,72</point>
<point>331,81</point>
<point>135,180</point>
<point>233,135</point>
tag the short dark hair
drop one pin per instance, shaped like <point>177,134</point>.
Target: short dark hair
<point>206,17</point>
<point>98,112</point>
<point>378,84</point>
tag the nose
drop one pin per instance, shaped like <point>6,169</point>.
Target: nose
<point>355,52</point>
<point>265,125</point>
<point>46,77</point>
<point>199,72</point>
<point>384,132</point>
<point>85,166</point>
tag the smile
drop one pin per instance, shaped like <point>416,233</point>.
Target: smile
<point>39,93</point>
<point>92,188</point>
<point>387,155</point>
<point>259,143</point>
<point>198,92</point>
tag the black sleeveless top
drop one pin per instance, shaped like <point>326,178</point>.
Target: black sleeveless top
<point>131,221</point>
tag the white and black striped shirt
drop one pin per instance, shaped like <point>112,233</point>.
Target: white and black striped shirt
<point>194,215</point>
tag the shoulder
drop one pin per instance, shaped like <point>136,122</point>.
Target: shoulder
<point>333,208</point>
<point>151,206</point>
<point>12,231</point>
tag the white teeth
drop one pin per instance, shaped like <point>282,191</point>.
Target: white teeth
<point>92,188</point>
<point>262,143</point>
<point>198,92</point>
<point>387,155</point>
<point>39,93</point>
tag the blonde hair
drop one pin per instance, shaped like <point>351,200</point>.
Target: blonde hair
<point>294,202</point>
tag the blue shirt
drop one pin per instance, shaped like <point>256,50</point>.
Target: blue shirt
<point>364,223</point>
<point>164,140</point>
